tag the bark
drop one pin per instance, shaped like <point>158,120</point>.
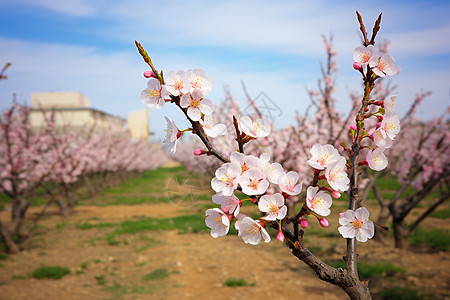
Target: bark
<point>399,234</point>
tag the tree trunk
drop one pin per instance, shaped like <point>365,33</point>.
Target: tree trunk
<point>11,246</point>
<point>399,234</point>
<point>383,217</point>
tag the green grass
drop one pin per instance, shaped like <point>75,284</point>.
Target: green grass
<point>118,290</point>
<point>158,274</point>
<point>442,214</point>
<point>235,282</point>
<point>100,279</point>
<point>50,272</point>
<point>435,239</point>
<point>184,224</point>
<point>399,293</point>
<point>376,269</point>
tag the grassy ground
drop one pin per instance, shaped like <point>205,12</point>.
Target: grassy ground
<point>148,217</point>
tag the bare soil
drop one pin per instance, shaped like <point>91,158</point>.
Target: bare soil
<point>197,265</point>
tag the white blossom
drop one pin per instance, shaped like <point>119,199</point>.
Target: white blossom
<point>356,224</point>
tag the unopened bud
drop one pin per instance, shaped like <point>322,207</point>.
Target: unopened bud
<point>280,236</point>
<point>226,210</point>
<point>340,214</point>
<point>356,66</point>
<point>353,126</point>
<point>198,151</point>
<point>323,222</point>
<point>378,125</point>
<point>335,194</point>
<point>304,223</point>
<point>148,74</point>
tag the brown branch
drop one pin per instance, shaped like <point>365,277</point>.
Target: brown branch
<point>427,212</point>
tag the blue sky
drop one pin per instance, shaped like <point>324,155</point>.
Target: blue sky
<point>275,47</point>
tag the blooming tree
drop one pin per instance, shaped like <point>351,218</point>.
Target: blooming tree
<point>420,163</point>
<point>269,184</point>
<point>55,159</point>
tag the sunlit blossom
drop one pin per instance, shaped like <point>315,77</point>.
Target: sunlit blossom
<point>171,137</point>
<point>273,171</point>
<point>253,182</point>
<point>176,83</point>
<point>356,224</point>
<point>245,162</point>
<point>252,232</point>
<point>273,206</point>
<point>322,156</point>
<point>198,80</point>
<point>257,129</point>
<point>376,159</point>
<point>288,183</point>
<point>218,221</point>
<point>153,96</point>
<point>336,176</point>
<point>384,65</point>
<point>226,180</point>
<point>232,203</point>
<point>196,105</point>
<point>211,128</point>
<point>318,201</point>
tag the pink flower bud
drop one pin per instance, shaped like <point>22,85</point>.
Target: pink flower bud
<point>198,151</point>
<point>340,214</point>
<point>304,223</point>
<point>323,222</point>
<point>226,210</point>
<point>356,66</point>
<point>335,194</point>
<point>379,125</point>
<point>148,74</point>
<point>280,236</point>
<point>353,126</point>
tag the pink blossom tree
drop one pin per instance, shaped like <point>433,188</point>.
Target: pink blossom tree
<point>254,175</point>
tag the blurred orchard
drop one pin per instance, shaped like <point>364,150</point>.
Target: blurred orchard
<point>58,160</point>
<point>334,154</point>
<point>291,175</point>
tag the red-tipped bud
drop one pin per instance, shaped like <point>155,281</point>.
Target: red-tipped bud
<point>362,163</point>
<point>226,210</point>
<point>353,127</point>
<point>148,74</point>
<point>380,118</point>
<point>335,194</point>
<point>280,236</point>
<point>198,151</point>
<point>378,125</point>
<point>304,223</point>
<point>323,222</point>
<point>357,66</point>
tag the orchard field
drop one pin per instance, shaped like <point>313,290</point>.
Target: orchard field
<point>147,239</point>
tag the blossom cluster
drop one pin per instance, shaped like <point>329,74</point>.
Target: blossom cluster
<point>251,175</point>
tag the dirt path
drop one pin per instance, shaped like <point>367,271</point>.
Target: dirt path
<point>194,265</point>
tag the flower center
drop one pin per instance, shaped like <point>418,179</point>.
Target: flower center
<point>153,93</point>
<point>244,168</point>
<point>178,84</point>
<point>357,223</point>
<point>364,57</point>
<point>197,83</point>
<point>195,103</point>
<point>254,183</point>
